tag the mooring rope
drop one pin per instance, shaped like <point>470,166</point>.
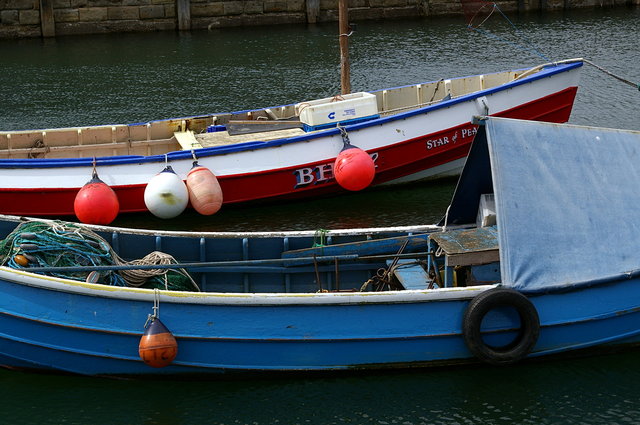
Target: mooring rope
<point>617,77</point>
<point>533,48</point>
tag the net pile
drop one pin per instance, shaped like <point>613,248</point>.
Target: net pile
<point>57,244</point>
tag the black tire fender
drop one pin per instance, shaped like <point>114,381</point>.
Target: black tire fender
<point>527,336</point>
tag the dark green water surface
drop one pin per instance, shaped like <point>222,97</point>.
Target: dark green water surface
<point>595,390</point>
<point>128,78</point>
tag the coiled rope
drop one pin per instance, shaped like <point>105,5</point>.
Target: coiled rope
<point>57,244</point>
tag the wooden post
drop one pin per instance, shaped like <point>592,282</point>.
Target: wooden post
<point>47,23</point>
<point>313,10</point>
<point>184,14</point>
<point>343,24</point>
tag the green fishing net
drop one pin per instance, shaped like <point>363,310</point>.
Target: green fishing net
<point>57,244</point>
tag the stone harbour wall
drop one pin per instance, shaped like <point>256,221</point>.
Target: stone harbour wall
<point>48,18</point>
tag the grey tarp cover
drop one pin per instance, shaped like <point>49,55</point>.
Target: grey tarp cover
<point>567,201</point>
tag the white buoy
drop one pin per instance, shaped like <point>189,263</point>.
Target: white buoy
<point>166,195</point>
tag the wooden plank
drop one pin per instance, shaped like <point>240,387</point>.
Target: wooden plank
<point>237,127</point>
<point>187,140</point>
<point>467,240</point>
<point>47,22</point>
<point>184,14</point>
<point>50,151</point>
<point>469,246</point>
<point>473,258</point>
<point>220,138</point>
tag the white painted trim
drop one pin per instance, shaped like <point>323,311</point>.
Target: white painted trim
<point>238,299</point>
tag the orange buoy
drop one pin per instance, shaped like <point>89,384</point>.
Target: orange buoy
<point>354,169</point>
<point>21,260</point>
<point>96,202</point>
<point>205,193</point>
<point>158,347</point>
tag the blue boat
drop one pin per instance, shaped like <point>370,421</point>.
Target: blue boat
<point>534,257</point>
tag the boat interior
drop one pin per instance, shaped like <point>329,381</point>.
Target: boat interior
<point>163,136</point>
<point>374,260</point>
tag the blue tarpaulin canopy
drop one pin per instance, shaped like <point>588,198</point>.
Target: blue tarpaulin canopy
<point>567,201</point>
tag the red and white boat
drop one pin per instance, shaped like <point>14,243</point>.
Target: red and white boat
<point>414,132</point>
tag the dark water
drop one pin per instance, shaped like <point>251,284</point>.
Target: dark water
<point>595,390</point>
<point>139,77</point>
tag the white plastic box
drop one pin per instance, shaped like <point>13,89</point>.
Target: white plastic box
<point>486,211</point>
<point>332,110</point>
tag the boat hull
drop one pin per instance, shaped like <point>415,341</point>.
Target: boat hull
<point>427,143</point>
<point>48,323</point>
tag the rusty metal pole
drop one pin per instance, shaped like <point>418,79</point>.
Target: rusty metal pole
<point>343,20</point>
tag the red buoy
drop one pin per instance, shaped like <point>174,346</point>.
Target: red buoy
<point>96,202</point>
<point>205,193</point>
<point>158,347</point>
<point>354,169</point>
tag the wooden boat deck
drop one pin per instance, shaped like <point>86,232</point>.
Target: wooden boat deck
<point>162,136</point>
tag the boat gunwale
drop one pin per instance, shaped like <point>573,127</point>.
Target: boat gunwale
<point>80,288</point>
<point>220,235</point>
<point>546,71</point>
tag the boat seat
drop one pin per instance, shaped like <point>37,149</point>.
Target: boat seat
<point>187,140</point>
<point>410,274</point>
<point>220,138</point>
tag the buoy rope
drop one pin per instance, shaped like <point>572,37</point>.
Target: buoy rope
<point>156,308</point>
<point>57,244</point>
<point>345,137</point>
<point>611,74</point>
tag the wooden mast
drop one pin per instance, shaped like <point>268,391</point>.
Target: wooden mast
<point>343,23</point>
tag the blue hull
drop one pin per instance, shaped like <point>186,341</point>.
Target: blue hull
<point>92,330</point>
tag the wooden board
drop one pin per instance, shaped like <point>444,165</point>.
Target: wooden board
<point>219,138</point>
<point>469,246</point>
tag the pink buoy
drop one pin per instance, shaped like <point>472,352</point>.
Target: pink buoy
<point>96,202</point>
<point>204,189</point>
<point>354,169</point>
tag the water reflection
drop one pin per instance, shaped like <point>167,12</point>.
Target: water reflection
<point>593,390</point>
